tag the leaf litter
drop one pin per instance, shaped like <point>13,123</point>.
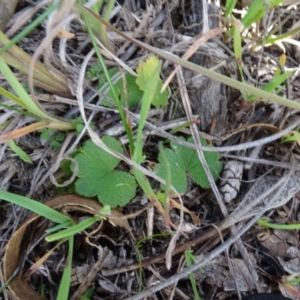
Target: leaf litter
<point>20,177</point>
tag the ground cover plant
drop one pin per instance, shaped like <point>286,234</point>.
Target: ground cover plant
<point>126,128</point>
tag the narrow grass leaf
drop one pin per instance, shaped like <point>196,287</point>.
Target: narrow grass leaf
<point>13,97</point>
<point>293,137</point>
<point>166,164</point>
<point>20,91</point>
<point>271,40</point>
<point>86,12</point>
<point>230,5</point>
<point>65,284</point>
<point>255,13</point>
<point>29,27</point>
<point>36,207</point>
<point>264,223</point>
<point>73,229</point>
<point>266,96</point>
<point>188,258</point>
<point>147,99</point>
<point>16,149</point>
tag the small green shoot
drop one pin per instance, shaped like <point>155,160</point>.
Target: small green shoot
<point>164,198</point>
<point>145,71</point>
<point>87,17</point>
<point>67,233</point>
<point>138,247</point>
<point>97,176</point>
<point>64,287</point>
<point>190,258</point>
<point>255,12</point>
<point>55,139</point>
<point>185,160</point>
<point>16,149</point>
<point>264,223</point>
<point>294,136</point>
<point>79,125</point>
<point>230,5</point>
<point>88,294</point>
<point>273,85</point>
<point>127,90</point>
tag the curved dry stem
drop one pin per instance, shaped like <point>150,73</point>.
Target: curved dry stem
<point>34,127</point>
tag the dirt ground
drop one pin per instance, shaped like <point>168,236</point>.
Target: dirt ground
<point>123,262</point>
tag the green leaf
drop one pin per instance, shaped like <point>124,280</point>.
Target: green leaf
<point>255,12</point>
<point>183,161</point>
<point>45,133</point>
<point>23,155</point>
<point>273,84</point>
<point>35,206</point>
<point>294,136</point>
<point>72,230</point>
<point>98,178</point>
<point>145,71</point>
<point>230,5</point>
<point>64,287</point>
<point>132,94</point>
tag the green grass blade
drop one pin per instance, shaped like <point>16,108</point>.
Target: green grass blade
<point>30,27</point>
<point>271,40</point>
<point>73,229</point>
<point>166,163</point>
<point>16,149</point>
<point>278,226</point>
<point>86,15</point>
<point>64,287</point>
<point>145,107</point>
<point>12,97</point>
<point>243,87</point>
<point>255,13</point>
<point>188,258</point>
<point>230,5</point>
<point>34,206</point>
<point>20,91</point>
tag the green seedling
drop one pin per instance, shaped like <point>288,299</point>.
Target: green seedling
<point>243,87</point>
<point>164,198</point>
<point>65,283</point>
<point>97,177</point>
<point>88,294</point>
<point>98,29</point>
<point>145,72</point>
<point>125,86</point>
<point>89,18</point>
<point>185,161</point>
<point>190,259</point>
<point>138,246</point>
<point>66,230</point>
<point>294,136</point>
<point>54,139</point>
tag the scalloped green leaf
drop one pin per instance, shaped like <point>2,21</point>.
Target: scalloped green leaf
<point>184,161</point>
<point>97,177</point>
